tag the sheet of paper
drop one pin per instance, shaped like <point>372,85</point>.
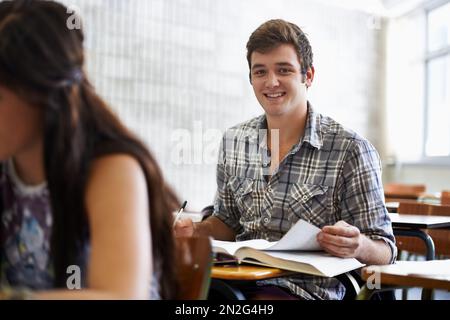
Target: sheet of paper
<point>302,236</point>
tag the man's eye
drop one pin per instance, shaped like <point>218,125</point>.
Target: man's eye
<point>284,70</point>
<point>259,72</point>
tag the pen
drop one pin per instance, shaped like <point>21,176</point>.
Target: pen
<point>179,213</point>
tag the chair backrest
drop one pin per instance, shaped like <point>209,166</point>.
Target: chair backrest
<point>194,261</point>
<point>403,191</point>
<point>412,244</point>
<point>445,197</point>
<point>440,210</point>
<point>441,238</point>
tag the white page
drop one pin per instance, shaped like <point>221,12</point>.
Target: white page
<point>233,246</point>
<point>327,264</point>
<point>302,236</point>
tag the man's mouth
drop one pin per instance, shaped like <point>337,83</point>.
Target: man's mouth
<point>274,95</point>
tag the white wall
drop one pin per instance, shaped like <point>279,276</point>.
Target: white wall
<point>166,65</point>
<point>435,178</point>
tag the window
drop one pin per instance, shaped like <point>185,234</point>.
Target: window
<point>437,108</point>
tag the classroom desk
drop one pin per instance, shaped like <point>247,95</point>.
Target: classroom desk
<point>392,206</point>
<point>414,221</point>
<point>224,278</point>
<point>227,279</point>
<point>432,198</point>
<point>428,275</point>
<point>246,272</point>
<point>410,225</point>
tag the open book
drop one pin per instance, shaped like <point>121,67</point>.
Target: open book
<point>297,251</point>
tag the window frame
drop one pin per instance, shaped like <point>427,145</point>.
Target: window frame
<point>429,57</point>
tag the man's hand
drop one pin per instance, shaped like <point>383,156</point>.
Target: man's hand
<point>184,228</point>
<point>341,240</point>
<point>211,227</point>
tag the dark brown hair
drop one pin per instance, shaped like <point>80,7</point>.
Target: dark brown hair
<point>273,33</point>
<point>42,60</point>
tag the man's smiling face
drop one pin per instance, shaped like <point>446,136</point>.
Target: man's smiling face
<point>277,80</point>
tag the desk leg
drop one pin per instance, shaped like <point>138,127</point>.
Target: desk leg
<point>426,293</point>
<point>366,294</point>
<point>419,234</point>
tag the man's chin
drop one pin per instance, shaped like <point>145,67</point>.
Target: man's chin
<point>274,112</point>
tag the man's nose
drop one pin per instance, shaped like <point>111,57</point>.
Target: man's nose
<point>272,80</point>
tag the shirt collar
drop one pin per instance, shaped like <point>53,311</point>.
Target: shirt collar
<point>313,130</point>
<point>258,131</point>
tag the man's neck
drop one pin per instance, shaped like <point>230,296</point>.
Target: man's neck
<point>291,127</point>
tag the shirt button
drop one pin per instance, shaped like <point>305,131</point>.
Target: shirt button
<point>266,220</point>
<point>269,189</point>
<point>305,198</point>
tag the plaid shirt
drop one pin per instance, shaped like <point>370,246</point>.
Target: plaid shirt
<point>332,174</point>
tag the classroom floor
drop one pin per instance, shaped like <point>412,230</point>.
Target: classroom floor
<point>415,294</point>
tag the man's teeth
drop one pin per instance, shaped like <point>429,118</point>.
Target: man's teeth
<point>275,95</point>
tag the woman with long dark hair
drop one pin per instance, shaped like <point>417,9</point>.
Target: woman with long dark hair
<point>82,201</point>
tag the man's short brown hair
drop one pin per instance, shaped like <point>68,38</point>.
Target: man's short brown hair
<point>273,33</point>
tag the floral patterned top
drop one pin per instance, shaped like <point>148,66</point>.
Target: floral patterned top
<point>25,231</point>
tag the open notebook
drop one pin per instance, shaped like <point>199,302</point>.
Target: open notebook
<point>297,251</point>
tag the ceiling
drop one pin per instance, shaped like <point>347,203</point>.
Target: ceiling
<point>389,8</point>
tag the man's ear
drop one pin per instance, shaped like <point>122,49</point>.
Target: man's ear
<point>309,76</point>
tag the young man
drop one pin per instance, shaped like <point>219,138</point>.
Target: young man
<point>293,163</point>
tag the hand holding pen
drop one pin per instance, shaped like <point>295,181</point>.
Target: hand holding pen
<point>179,213</point>
<point>183,227</point>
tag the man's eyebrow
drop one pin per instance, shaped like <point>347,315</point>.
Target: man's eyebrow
<point>258,66</point>
<point>285,64</point>
<point>279,64</point>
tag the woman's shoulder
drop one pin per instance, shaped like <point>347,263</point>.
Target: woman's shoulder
<point>115,166</point>
<point>114,160</point>
<point>115,182</point>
